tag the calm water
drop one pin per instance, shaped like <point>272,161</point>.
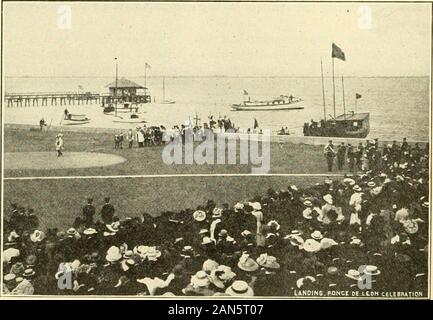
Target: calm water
<point>399,107</point>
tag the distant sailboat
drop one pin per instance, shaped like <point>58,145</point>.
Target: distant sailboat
<point>165,101</point>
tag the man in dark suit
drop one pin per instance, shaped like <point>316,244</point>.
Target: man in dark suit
<point>107,211</point>
<point>341,156</point>
<point>88,212</point>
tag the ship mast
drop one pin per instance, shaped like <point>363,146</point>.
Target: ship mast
<point>323,90</point>
<point>344,100</point>
<point>333,85</point>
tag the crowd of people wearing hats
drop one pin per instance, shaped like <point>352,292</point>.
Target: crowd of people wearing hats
<point>276,244</point>
<point>370,155</point>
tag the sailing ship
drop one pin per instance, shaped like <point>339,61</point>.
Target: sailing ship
<point>165,101</point>
<point>283,102</point>
<point>346,125</point>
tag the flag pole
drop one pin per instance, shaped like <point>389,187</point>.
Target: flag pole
<point>333,85</point>
<point>323,90</point>
<point>344,102</point>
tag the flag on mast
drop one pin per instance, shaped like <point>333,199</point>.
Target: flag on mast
<point>337,52</point>
<point>358,96</point>
<point>256,123</point>
<point>245,93</point>
<point>146,65</point>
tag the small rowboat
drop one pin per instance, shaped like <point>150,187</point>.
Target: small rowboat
<point>132,119</point>
<point>75,119</point>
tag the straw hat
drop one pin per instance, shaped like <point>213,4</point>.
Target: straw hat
<point>220,275</point>
<point>247,264</point>
<point>296,241</point>
<point>37,236</point>
<point>326,243</point>
<point>349,181</point>
<point>371,270</point>
<point>10,253</point>
<point>267,261</point>
<point>238,207</point>
<point>209,265</point>
<point>371,184</point>
<point>217,213</point>
<point>113,254</point>
<point>308,203</point>
<point>317,235</point>
<point>240,288</point>
<point>311,245</point>
<point>411,226</point>
<point>9,277</point>
<point>203,231</point>
<point>206,240</point>
<point>357,188</point>
<point>328,199</point>
<point>353,274</point>
<point>200,279</point>
<point>199,215</point>
<point>28,273</point>
<point>256,206</point>
<point>301,282</point>
<point>90,231</point>
<point>274,223</point>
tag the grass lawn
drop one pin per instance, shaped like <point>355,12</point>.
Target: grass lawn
<point>285,158</point>
<point>58,202</point>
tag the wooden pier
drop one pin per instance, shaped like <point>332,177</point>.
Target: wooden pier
<point>32,99</point>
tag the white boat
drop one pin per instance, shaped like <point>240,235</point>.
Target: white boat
<point>279,103</point>
<point>164,100</point>
<point>75,119</point>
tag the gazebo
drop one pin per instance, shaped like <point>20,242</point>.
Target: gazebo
<point>127,91</point>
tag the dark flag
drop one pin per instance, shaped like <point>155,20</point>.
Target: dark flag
<point>337,52</point>
<point>245,92</point>
<point>256,124</point>
<point>358,96</point>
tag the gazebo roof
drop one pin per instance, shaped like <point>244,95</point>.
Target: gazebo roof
<point>125,83</point>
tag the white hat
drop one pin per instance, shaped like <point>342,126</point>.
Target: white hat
<point>37,236</point>
<point>90,231</point>
<point>10,253</point>
<point>326,243</point>
<point>200,279</point>
<point>274,223</point>
<point>240,288</point>
<point>371,270</point>
<point>311,245</point>
<point>217,213</point>
<point>357,188</point>
<point>317,235</point>
<point>300,282</point>
<point>353,274</point>
<point>199,215</point>
<point>238,206</point>
<point>113,254</point>
<point>256,206</point>
<point>209,265</point>
<point>328,199</point>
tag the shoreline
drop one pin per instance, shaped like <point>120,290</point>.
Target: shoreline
<point>291,139</point>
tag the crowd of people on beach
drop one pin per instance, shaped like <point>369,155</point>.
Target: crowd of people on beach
<point>144,136</point>
<point>362,232</point>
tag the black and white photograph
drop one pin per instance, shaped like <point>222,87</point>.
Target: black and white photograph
<point>216,150</point>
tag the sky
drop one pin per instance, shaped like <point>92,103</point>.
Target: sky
<point>207,39</point>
